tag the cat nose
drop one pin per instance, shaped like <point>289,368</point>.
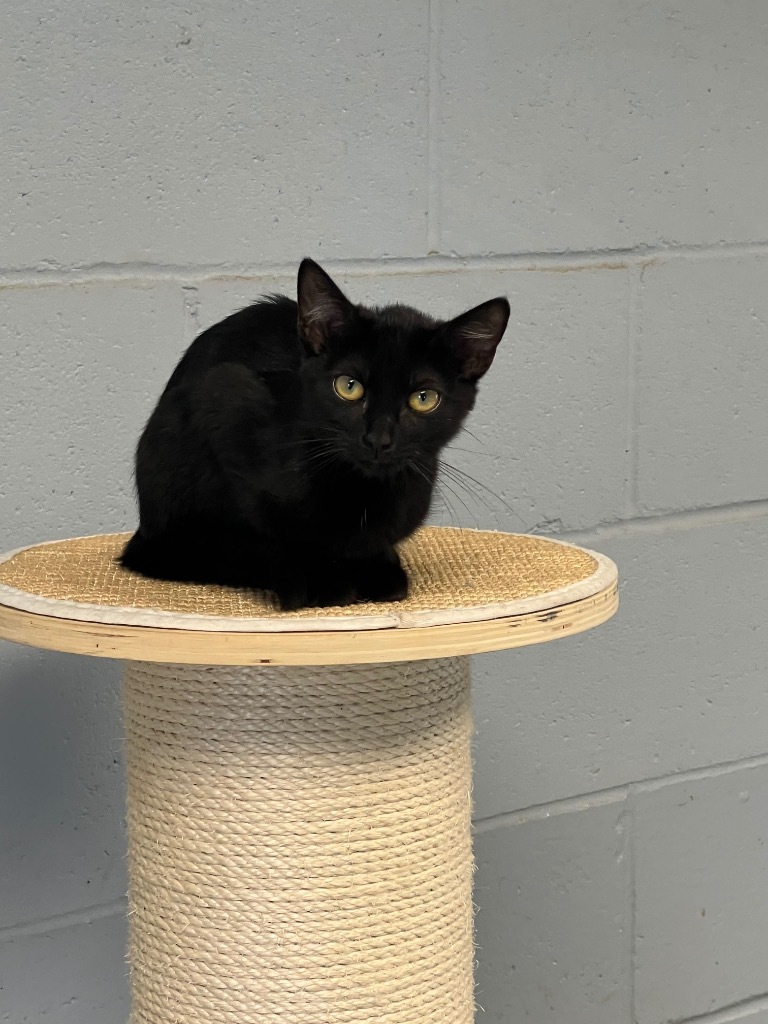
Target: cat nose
<point>379,441</point>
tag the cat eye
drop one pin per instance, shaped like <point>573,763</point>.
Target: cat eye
<point>348,388</point>
<point>425,400</point>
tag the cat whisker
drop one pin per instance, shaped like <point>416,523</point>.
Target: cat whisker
<point>457,495</point>
<point>306,441</point>
<point>295,444</point>
<point>469,451</point>
<point>314,454</point>
<point>461,476</point>
<point>443,489</point>
<point>447,506</point>
<point>466,430</point>
<point>459,482</point>
<point>319,459</point>
<point>476,499</point>
<point>438,490</point>
<point>415,464</point>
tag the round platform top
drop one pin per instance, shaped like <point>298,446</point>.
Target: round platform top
<point>471,591</point>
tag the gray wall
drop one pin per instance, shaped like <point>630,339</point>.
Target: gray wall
<point>602,162</point>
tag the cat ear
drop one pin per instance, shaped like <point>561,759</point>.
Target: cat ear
<point>474,336</point>
<point>323,308</point>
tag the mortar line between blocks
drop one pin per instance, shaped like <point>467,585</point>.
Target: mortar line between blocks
<point>434,193</point>
<point>50,275</point>
<point>633,454</point>
<point>742,1010</point>
<point>631,847</point>
<point>615,794</point>
<point>85,915</point>
<point>539,812</point>
<point>663,522</point>
<point>191,310</point>
<point>712,771</point>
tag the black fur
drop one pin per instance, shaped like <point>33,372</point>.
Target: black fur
<point>253,472</point>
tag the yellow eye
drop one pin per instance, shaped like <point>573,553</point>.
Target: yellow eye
<point>348,388</point>
<point>426,400</point>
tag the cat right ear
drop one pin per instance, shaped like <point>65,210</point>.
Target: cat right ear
<point>475,335</point>
<point>324,310</point>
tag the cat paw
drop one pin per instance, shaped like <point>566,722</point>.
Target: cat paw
<point>382,580</point>
<point>317,595</point>
<point>332,596</point>
<point>290,599</point>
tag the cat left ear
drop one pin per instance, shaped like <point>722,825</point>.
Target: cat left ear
<point>324,310</point>
<point>475,335</point>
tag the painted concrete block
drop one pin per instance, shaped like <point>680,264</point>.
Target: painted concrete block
<point>161,133</point>
<point>701,867</point>
<point>702,365</point>
<point>553,896</point>
<point>72,975</point>
<point>82,367</point>
<point>62,843</point>
<point>599,125</point>
<point>676,681</point>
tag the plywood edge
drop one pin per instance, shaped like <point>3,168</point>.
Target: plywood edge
<point>391,616</point>
<point>364,646</point>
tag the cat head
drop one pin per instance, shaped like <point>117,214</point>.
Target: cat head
<point>386,388</point>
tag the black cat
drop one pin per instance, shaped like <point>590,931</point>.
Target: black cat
<point>296,444</point>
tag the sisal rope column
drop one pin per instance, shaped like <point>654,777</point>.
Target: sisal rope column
<point>299,837</point>
<point>300,843</point>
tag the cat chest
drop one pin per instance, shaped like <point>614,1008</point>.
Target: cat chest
<point>352,509</point>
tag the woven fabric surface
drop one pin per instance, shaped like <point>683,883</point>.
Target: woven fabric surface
<point>300,852</point>
<point>448,569</point>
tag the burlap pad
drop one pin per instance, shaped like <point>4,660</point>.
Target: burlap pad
<point>456,576</point>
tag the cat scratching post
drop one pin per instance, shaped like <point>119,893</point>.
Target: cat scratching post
<point>299,784</point>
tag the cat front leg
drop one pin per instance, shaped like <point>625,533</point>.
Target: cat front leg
<point>331,583</point>
<point>381,577</point>
<point>322,581</point>
<point>308,582</point>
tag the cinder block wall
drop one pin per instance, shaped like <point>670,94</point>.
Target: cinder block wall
<point>604,164</point>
